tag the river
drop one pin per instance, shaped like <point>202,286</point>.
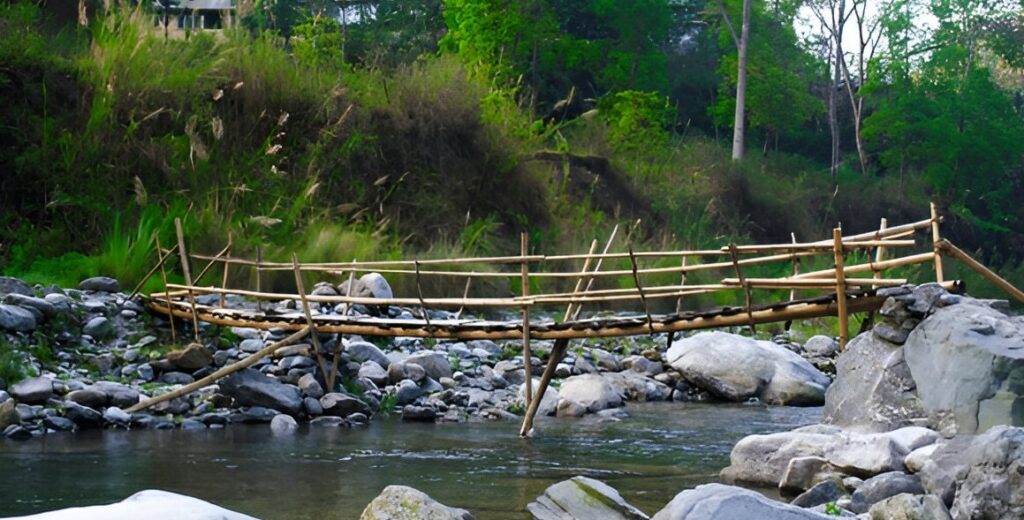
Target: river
<point>484,467</point>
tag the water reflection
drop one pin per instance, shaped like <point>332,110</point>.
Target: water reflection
<point>484,467</point>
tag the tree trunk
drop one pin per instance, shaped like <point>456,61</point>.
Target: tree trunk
<point>861,153</point>
<point>739,124</point>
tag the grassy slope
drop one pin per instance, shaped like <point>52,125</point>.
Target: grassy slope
<point>114,132</point>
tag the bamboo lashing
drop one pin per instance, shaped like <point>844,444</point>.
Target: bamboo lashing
<point>314,338</point>
<point>188,277</point>
<point>223,372</point>
<point>936,238</point>
<point>947,247</point>
<point>527,362</point>
<point>844,323</point>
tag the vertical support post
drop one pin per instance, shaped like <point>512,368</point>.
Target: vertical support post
<point>746,286</point>
<point>936,238</point>
<point>188,276</point>
<point>314,339</point>
<point>640,289</point>
<point>796,266</point>
<point>224,279</point>
<point>880,250</point>
<point>524,245</point>
<point>679,301</point>
<point>844,323</point>
<point>163,276</point>
<point>259,276</point>
<point>465,294</point>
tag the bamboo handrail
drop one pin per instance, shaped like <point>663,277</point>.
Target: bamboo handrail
<point>869,267</point>
<point>859,244</point>
<point>801,283</point>
<point>960,254</point>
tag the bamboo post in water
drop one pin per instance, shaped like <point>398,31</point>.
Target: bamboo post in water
<point>210,379</point>
<point>844,324</point>
<point>524,245</point>
<point>301,288</point>
<point>163,276</point>
<point>188,276</point>
<point>936,238</point>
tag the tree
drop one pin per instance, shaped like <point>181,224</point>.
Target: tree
<point>742,43</point>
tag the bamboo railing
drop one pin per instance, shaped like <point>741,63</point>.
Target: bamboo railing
<point>851,285</point>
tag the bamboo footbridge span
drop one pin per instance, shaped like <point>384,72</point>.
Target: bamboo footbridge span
<point>854,283</point>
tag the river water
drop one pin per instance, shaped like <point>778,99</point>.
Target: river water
<point>484,467</point>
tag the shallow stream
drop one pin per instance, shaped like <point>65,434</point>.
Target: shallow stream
<point>484,467</point>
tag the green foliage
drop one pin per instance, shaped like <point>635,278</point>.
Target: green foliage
<point>318,43</point>
<point>637,121</point>
<point>832,509</point>
<point>388,404</point>
<point>13,364</point>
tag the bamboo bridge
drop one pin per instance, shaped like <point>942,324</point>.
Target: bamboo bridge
<point>851,285</point>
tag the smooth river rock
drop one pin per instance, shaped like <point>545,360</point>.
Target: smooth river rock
<point>721,502</point>
<point>251,388</point>
<point>34,390</point>
<point>590,391</point>
<point>150,504</point>
<point>100,284</point>
<point>737,368</point>
<point>906,506</point>
<point>16,319</point>
<point>406,503</point>
<point>582,498</point>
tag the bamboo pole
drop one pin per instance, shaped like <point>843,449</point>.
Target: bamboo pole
<point>858,244</point>
<point>524,245</point>
<point>746,286</point>
<point>259,276</point>
<point>869,267</point>
<point>211,263</point>
<point>188,276</point>
<point>844,323</point>
<point>465,294</point>
<point>796,269</point>
<point>960,254</point>
<point>301,288</point>
<point>936,238</point>
<point>163,275</point>
<point>640,291</point>
<point>802,283</point>
<point>579,281</point>
<point>880,250</point>
<point>228,370</point>
<point>423,303</point>
<point>224,278</point>
<point>679,303</point>
<point>159,265</point>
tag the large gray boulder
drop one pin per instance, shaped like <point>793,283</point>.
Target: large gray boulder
<point>435,364</point>
<point>406,503</point>
<point>881,487</point>
<point>634,386</point>
<point>979,476</point>
<point>362,351</point>
<point>32,304</point>
<point>16,319</point>
<point>968,362</point>
<point>873,390</point>
<point>10,285</point>
<point>773,459</point>
<point>906,506</point>
<point>548,403</point>
<point>100,284</point>
<point>150,504</point>
<point>343,405</point>
<point>251,388</point>
<point>719,502</point>
<point>737,368</point>
<point>34,390</point>
<point>582,498</point>
<point>590,391</point>
<point>191,358</point>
